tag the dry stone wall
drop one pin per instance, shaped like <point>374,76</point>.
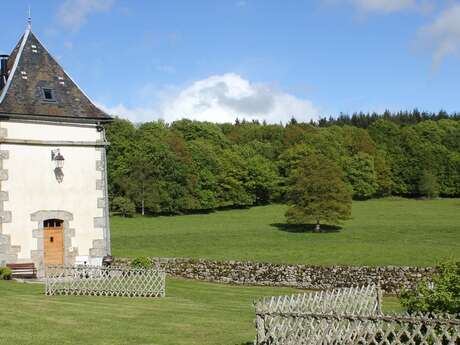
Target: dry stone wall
<point>392,278</point>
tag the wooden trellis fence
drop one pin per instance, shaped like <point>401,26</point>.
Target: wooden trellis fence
<point>357,300</point>
<point>104,281</point>
<point>342,329</point>
<point>273,322</point>
<point>346,317</point>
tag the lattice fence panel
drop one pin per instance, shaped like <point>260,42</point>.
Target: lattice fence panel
<point>356,300</point>
<point>273,322</point>
<point>104,281</point>
<point>333,329</point>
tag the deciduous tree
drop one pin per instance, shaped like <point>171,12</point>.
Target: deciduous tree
<point>317,193</point>
<point>428,185</point>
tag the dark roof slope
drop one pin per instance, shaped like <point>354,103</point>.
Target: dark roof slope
<point>33,69</point>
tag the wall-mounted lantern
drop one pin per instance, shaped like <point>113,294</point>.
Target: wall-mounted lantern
<point>58,160</point>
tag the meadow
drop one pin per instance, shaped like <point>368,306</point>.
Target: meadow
<point>386,231</point>
<point>391,231</point>
<point>192,313</point>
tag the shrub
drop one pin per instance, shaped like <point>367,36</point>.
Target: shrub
<point>5,273</point>
<point>123,206</point>
<point>441,296</point>
<point>141,262</point>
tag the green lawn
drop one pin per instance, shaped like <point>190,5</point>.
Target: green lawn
<point>382,232</point>
<point>193,313</point>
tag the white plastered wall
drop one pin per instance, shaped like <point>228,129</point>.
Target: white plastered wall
<point>32,185</point>
<point>41,131</point>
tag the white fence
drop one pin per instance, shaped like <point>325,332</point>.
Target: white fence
<point>278,318</point>
<point>347,317</point>
<point>357,300</point>
<point>341,329</point>
<point>105,281</point>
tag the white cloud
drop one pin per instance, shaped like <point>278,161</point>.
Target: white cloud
<point>384,6</point>
<point>136,115</point>
<point>165,68</point>
<point>68,45</point>
<point>74,13</point>
<point>442,36</point>
<point>223,98</point>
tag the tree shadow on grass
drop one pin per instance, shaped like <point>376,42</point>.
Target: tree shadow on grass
<point>300,228</point>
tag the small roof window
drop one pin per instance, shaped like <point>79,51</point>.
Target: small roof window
<point>48,95</point>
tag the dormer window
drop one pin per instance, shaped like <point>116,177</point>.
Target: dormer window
<point>48,95</point>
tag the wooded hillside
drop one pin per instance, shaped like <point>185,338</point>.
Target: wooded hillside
<point>192,166</point>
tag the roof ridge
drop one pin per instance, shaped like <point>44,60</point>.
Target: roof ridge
<point>15,65</point>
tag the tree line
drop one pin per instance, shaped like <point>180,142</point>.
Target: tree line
<point>190,166</point>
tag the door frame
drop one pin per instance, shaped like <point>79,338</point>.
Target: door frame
<point>56,231</point>
<point>38,254</point>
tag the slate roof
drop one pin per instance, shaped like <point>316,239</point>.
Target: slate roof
<point>31,70</point>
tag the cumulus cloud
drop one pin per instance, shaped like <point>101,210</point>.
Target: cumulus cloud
<point>165,68</point>
<point>442,36</point>
<point>223,98</point>
<point>74,13</point>
<point>135,114</point>
<point>385,6</point>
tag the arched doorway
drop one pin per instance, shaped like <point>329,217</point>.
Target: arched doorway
<point>54,241</point>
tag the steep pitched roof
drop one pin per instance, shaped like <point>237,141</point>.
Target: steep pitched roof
<point>32,71</point>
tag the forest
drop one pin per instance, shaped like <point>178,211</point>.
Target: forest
<point>189,166</point>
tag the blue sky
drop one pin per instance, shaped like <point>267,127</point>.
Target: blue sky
<point>216,60</point>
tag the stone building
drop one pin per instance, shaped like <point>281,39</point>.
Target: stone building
<point>53,179</point>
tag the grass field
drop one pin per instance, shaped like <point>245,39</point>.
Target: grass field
<point>193,313</point>
<point>382,232</point>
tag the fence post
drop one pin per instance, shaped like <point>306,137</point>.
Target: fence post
<point>379,298</point>
<point>260,326</point>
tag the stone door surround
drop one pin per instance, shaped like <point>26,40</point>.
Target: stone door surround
<point>38,255</point>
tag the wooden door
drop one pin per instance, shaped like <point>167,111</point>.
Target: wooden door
<point>54,242</point>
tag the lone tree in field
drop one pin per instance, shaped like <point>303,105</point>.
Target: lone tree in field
<point>317,193</point>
